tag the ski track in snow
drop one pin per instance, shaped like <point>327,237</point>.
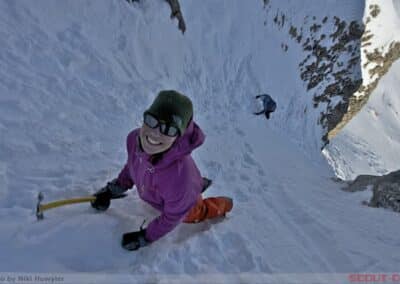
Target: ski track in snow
<point>69,97</point>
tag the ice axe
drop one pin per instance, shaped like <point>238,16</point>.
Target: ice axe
<point>40,208</point>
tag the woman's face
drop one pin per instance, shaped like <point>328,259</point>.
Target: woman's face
<point>153,142</point>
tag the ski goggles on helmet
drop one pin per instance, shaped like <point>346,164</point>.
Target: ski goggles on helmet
<point>165,128</point>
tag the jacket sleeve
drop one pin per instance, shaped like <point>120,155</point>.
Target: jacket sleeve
<point>176,206</point>
<point>124,178</point>
<point>260,112</point>
<point>174,212</point>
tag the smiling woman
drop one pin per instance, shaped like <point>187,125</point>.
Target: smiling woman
<point>160,165</point>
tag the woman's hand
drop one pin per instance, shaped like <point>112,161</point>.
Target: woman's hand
<point>103,197</point>
<point>134,240</point>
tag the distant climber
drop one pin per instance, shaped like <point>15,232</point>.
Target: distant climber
<point>175,13</point>
<point>265,104</point>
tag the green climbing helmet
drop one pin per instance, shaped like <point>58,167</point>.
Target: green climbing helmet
<point>172,108</point>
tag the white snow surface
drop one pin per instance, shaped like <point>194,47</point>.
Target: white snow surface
<point>75,78</point>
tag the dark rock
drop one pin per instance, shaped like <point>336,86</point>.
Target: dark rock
<point>375,10</point>
<point>386,189</point>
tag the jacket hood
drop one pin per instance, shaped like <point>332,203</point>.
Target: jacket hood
<point>183,145</point>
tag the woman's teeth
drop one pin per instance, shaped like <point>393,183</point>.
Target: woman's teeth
<point>152,142</point>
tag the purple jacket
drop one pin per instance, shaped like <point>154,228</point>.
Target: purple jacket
<point>172,185</point>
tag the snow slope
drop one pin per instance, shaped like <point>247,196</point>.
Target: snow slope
<point>75,78</point>
<point>370,142</point>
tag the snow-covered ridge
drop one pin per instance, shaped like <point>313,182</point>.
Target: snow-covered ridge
<point>348,62</point>
<point>368,142</point>
<point>380,49</point>
<point>344,55</point>
<point>381,42</point>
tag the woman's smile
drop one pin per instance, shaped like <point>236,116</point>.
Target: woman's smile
<point>152,141</point>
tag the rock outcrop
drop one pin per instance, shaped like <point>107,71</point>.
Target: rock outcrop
<point>386,189</point>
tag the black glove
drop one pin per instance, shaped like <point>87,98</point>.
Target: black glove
<point>134,240</point>
<point>103,197</point>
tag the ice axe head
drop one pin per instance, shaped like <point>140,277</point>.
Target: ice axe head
<point>39,212</point>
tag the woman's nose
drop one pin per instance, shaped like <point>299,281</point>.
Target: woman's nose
<point>156,132</point>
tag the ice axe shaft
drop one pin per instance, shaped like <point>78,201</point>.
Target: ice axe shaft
<point>40,208</point>
<point>59,203</point>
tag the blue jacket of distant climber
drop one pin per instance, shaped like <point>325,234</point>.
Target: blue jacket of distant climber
<point>268,103</point>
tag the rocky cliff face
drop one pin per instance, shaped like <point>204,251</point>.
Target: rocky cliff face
<point>334,67</point>
<point>377,58</point>
<point>344,58</point>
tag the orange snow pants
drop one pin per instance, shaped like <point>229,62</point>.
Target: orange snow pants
<point>209,208</point>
